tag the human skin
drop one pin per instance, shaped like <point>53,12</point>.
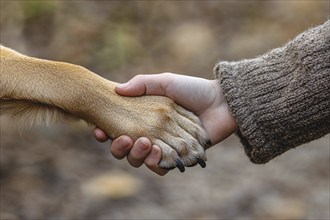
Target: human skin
<point>201,96</point>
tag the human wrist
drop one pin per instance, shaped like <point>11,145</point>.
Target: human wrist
<point>224,104</point>
<point>216,116</point>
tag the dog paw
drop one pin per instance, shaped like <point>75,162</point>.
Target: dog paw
<point>182,139</point>
<point>176,131</point>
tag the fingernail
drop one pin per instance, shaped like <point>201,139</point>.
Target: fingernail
<point>154,151</point>
<point>124,142</point>
<point>153,157</point>
<point>123,86</point>
<point>144,144</point>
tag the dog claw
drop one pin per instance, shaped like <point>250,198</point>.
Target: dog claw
<point>201,162</point>
<point>168,168</point>
<point>180,166</point>
<point>208,143</point>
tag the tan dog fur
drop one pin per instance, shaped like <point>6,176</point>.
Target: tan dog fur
<point>35,90</point>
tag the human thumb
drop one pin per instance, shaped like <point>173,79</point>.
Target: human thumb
<point>144,85</point>
<point>131,89</point>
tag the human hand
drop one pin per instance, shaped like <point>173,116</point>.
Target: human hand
<point>137,153</point>
<point>201,96</point>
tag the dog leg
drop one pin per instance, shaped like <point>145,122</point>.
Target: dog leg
<point>47,90</point>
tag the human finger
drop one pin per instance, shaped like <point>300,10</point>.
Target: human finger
<point>100,135</point>
<point>139,152</point>
<point>121,147</point>
<point>145,85</point>
<point>153,159</point>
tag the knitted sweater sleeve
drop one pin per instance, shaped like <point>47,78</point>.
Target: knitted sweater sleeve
<point>281,99</point>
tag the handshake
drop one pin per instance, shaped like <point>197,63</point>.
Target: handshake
<point>180,115</point>
<point>183,137</point>
<point>176,117</point>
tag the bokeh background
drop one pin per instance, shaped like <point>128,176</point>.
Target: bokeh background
<point>63,173</point>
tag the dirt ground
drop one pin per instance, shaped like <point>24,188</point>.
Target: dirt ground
<point>61,172</point>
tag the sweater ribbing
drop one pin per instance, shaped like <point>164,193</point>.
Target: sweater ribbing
<point>281,99</point>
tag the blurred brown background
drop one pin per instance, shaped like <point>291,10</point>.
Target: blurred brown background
<point>63,173</point>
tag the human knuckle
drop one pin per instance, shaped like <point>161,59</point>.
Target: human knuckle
<point>117,153</point>
<point>117,156</point>
<point>134,163</point>
<point>139,76</point>
<point>166,74</point>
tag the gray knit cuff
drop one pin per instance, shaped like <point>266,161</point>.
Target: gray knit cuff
<point>281,99</point>
<point>250,132</point>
